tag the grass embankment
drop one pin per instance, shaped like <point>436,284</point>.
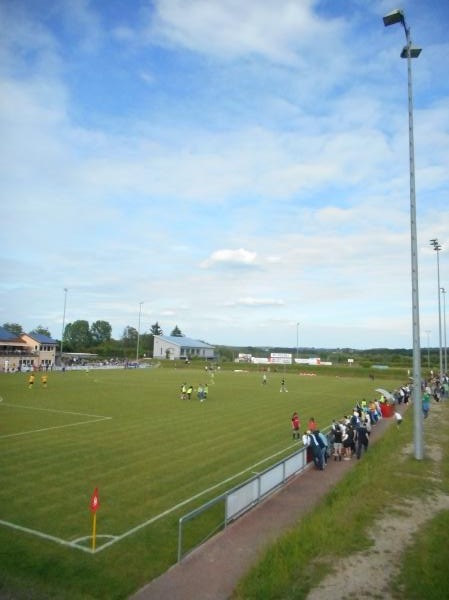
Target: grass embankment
<point>387,481</point>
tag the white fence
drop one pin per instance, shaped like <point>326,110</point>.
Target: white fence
<point>245,496</point>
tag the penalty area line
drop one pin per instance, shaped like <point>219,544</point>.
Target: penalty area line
<point>91,419</point>
<point>56,410</point>
<point>30,431</point>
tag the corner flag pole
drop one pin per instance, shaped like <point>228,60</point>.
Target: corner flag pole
<point>94,505</point>
<point>94,531</point>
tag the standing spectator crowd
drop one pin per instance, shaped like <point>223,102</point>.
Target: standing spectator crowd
<point>349,436</point>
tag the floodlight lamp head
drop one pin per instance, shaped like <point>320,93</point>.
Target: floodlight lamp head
<point>414,52</point>
<point>396,16</point>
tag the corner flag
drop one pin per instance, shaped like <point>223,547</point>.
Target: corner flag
<point>94,501</point>
<point>94,505</point>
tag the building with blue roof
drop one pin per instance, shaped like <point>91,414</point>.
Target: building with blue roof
<point>171,347</point>
<point>13,349</point>
<point>27,351</point>
<point>7,336</point>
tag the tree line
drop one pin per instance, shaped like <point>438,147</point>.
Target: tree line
<point>80,336</point>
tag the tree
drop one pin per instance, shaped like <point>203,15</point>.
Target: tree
<point>129,337</point>
<point>146,344</point>
<point>42,330</point>
<point>77,335</point>
<point>100,332</point>
<point>156,329</point>
<point>14,328</point>
<point>177,332</point>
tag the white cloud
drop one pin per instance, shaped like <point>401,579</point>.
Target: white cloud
<point>148,174</point>
<point>230,28</point>
<point>239,257</point>
<point>260,302</point>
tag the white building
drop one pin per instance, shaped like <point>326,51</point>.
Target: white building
<point>170,347</point>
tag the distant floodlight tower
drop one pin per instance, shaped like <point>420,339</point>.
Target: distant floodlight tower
<point>138,332</point>
<point>437,247</point>
<point>297,341</point>
<point>409,52</point>
<point>63,321</point>
<point>443,291</point>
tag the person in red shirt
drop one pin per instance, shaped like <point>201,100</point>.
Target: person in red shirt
<point>296,424</point>
<point>312,424</point>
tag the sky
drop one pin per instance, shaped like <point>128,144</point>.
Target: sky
<point>237,169</point>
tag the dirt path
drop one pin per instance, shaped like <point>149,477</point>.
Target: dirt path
<point>390,535</point>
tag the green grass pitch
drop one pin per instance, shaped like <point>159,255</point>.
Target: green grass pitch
<point>153,457</point>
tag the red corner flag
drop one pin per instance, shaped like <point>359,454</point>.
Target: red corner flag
<point>94,501</point>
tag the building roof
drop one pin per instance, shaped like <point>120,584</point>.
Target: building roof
<point>184,342</point>
<point>41,338</point>
<point>7,336</point>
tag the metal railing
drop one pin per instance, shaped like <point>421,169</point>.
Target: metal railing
<point>245,496</point>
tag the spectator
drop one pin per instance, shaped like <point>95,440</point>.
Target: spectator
<point>348,443</point>
<point>398,417</point>
<point>337,431</point>
<point>361,439</point>
<point>324,445</point>
<point>426,404</point>
<point>310,441</point>
<point>312,424</point>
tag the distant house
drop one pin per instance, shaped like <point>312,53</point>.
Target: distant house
<point>12,350</point>
<point>29,350</point>
<point>44,348</point>
<point>170,347</point>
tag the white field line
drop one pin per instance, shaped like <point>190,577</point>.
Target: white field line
<point>43,535</point>
<point>117,538</point>
<point>55,410</point>
<point>92,419</point>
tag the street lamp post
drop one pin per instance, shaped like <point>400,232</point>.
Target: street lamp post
<point>443,291</point>
<point>138,332</point>
<point>437,247</point>
<point>409,52</point>
<point>63,322</point>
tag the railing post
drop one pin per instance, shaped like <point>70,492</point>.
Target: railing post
<point>179,539</point>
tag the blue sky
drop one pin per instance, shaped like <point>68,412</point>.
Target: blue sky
<point>238,167</point>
